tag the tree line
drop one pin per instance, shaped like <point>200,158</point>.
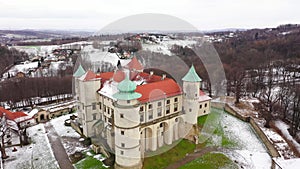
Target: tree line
<point>25,90</point>
<point>10,57</point>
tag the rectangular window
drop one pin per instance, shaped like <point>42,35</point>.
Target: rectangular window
<point>122,152</point>
<point>150,106</point>
<point>167,109</point>
<point>82,106</point>
<point>94,106</point>
<point>190,110</point>
<point>104,107</point>
<point>142,108</point>
<point>150,115</point>
<point>100,105</point>
<point>175,107</point>
<point>159,104</point>
<point>200,106</point>
<point>122,132</point>
<point>141,117</point>
<point>121,115</point>
<point>159,112</point>
<point>112,111</point>
<point>94,116</point>
<point>168,101</point>
<point>205,105</point>
<point>175,99</point>
<point>122,144</point>
<point>128,101</point>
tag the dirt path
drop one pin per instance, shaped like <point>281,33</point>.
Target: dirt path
<point>58,149</point>
<point>191,157</point>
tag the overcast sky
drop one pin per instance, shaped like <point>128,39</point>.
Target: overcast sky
<point>95,14</point>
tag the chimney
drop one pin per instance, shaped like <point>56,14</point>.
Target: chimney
<point>163,76</point>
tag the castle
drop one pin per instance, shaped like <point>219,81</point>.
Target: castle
<point>131,111</point>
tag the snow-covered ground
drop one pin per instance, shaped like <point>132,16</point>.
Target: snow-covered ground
<point>37,155</point>
<point>249,151</point>
<point>69,137</point>
<point>283,127</point>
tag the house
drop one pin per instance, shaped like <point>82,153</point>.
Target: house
<point>20,118</point>
<point>135,111</point>
<point>45,113</point>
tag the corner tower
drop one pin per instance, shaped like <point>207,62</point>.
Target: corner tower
<point>127,121</point>
<point>191,90</point>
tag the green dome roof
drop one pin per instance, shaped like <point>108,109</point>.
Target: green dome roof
<point>79,72</point>
<point>126,85</point>
<point>126,90</point>
<point>192,76</point>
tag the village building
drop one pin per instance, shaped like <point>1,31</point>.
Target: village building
<point>20,118</point>
<point>130,111</point>
<point>43,114</point>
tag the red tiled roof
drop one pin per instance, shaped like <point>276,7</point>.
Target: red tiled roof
<point>118,76</point>
<point>11,115</point>
<point>158,90</point>
<point>201,93</point>
<point>89,75</point>
<point>134,64</point>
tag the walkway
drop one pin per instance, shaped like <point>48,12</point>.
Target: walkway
<point>191,157</point>
<point>57,147</point>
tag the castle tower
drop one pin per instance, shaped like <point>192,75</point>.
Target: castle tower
<point>191,90</point>
<point>88,111</point>
<point>127,121</point>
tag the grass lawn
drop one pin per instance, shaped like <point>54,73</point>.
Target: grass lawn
<point>211,161</point>
<point>176,153</point>
<point>89,162</point>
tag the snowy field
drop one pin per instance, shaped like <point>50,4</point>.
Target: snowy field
<point>36,155</point>
<point>249,150</point>
<point>69,137</point>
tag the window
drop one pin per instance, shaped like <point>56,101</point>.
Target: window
<point>176,120</point>
<point>122,144</point>
<point>161,125</point>
<point>196,95</point>
<point>150,115</point>
<point>104,107</point>
<point>159,104</point>
<point>168,101</point>
<point>82,106</point>
<point>190,110</point>
<point>108,110</point>
<point>128,101</point>
<point>159,112</point>
<point>122,132</point>
<point>100,105</point>
<point>200,106</point>
<point>141,117</point>
<point>204,111</point>
<point>142,108</point>
<point>112,111</point>
<point>121,115</point>
<point>94,116</point>
<point>175,107</point>
<point>167,109</point>
<point>122,152</point>
<point>205,105</point>
<point>175,99</point>
<point>150,106</point>
<point>94,106</point>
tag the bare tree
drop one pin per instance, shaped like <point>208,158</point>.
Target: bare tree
<point>3,132</point>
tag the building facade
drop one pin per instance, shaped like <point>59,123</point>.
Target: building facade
<point>130,111</point>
